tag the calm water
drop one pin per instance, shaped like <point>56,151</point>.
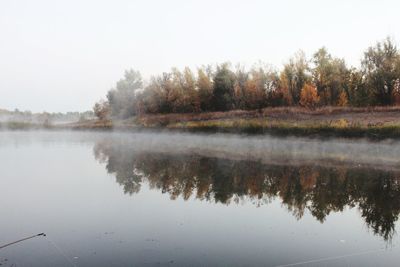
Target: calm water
<point>126,199</point>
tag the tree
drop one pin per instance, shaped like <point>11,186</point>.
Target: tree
<point>223,93</point>
<point>376,83</point>
<point>396,92</point>
<point>269,80</point>
<point>122,98</point>
<point>240,90</point>
<point>189,87</point>
<point>179,103</point>
<point>260,82</point>
<point>160,95</point>
<point>381,65</point>
<point>102,110</point>
<point>184,87</point>
<point>309,97</point>
<point>343,100</point>
<point>256,89</point>
<point>205,88</point>
<point>293,77</point>
<point>358,93</point>
<point>274,94</point>
<point>329,76</point>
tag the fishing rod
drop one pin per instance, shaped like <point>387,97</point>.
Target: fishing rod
<point>23,239</point>
<point>52,242</point>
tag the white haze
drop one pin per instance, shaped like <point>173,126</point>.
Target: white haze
<point>265,149</point>
<point>63,56</point>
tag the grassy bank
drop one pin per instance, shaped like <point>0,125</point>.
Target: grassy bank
<point>373,123</point>
<point>339,128</point>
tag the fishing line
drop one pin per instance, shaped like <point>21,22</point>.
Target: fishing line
<point>61,252</point>
<point>332,258</point>
<point>49,240</point>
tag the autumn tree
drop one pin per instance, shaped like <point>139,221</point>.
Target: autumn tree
<point>309,97</point>
<point>179,103</point>
<point>240,94</point>
<point>251,87</point>
<point>160,94</point>
<point>343,100</point>
<point>205,88</point>
<point>267,84</point>
<point>293,77</point>
<point>255,96</point>
<point>377,82</point>
<point>259,84</point>
<point>184,88</point>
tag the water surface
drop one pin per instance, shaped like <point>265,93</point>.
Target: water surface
<point>140,199</point>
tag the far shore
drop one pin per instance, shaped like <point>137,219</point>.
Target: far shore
<point>373,122</point>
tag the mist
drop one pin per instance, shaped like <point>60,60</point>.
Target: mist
<point>264,149</point>
<point>101,193</point>
<point>267,149</point>
<point>199,133</point>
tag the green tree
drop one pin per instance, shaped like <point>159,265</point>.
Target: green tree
<point>381,65</point>
<point>358,93</point>
<point>329,75</point>
<point>223,93</point>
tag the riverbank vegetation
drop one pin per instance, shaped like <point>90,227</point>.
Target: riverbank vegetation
<point>317,96</point>
<point>320,95</point>
<point>373,122</point>
<point>320,81</point>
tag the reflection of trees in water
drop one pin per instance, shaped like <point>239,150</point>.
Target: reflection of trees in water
<point>320,190</point>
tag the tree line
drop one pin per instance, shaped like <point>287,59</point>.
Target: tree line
<point>322,80</point>
<point>44,117</point>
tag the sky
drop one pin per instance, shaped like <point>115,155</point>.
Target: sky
<point>63,56</point>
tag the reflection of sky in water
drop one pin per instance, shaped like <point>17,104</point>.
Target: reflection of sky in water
<point>52,183</point>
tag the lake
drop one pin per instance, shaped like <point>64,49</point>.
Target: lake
<point>162,199</point>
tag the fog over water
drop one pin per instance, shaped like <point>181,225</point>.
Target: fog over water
<point>266,149</point>
<point>151,199</point>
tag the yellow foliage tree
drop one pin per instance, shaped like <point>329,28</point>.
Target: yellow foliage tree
<point>205,89</point>
<point>343,100</point>
<point>308,96</point>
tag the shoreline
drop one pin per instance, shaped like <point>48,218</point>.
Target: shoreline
<point>375,123</point>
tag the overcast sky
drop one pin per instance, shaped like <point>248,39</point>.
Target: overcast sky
<point>65,55</point>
